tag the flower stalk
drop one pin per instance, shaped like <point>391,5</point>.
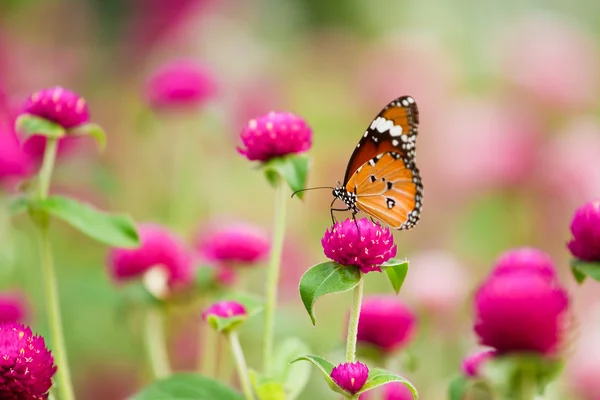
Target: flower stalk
<point>155,343</point>
<point>353,322</point>
<point>240,362</point>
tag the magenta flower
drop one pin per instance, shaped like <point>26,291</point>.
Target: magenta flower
<point>180,83</point>
<point>58,105</point>
<point>234,245</point>
<point>525,259</point>
<point>159,248</point>
<point>350,376</point>
<point>391,391</point>
<point>14,162</point>
<point>224,309</point>
<point>522,311</point>
<point>13,307</point>
<point>585,228</point>
<point>26,365</point>
<point>367,250</point>
<point>275,135</point>
<point>385,323</point>
<point>471,364</point>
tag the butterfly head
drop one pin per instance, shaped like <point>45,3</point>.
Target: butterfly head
<point>347,197</point>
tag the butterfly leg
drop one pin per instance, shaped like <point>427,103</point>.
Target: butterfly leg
<point>355,223</point>
<point>336,209</point>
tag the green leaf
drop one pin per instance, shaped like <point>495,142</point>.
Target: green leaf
<point>326,278</point>
<point>396,271</point>
<point>293,376</point>
<point>582,269</point>
<point>325,367</point>
<point>458,388</point>
<point>379,377</point>
<point>90,129</point>
<point>265,388</point>
<point>226,324</point>
<point>18,205</point>
<point>30,125</point>
<point>112,229</point>
<point>187,386</point>
<point>293,169</point>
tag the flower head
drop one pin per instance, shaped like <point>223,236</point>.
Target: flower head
<point>12,307</point>
<point>275,135</point>
<point>386,323</point>
<point>350,376</point>
<point>159,249</point>
<point>522,311</point>
<point>391,391</point>
<point>58,105</point>
<point>525,259</point>
<point>367,247</point>
<point>237,244</point>
<point>585,228</point>
<point>471,364</point>
<point>224,309</point>
<point>26,365</point>
<point>180,83</point>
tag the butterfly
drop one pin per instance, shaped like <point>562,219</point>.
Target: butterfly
<point>382,179</point>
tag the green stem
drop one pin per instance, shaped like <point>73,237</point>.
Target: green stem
<point>156,343</point>
<point>208,350</point>
<point>527,385</point>
<point>273,274</point>
<point>59,351</point>
<point>353,322</point>
<point>240,362</point>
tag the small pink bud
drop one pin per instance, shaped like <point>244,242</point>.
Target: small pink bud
<point>350,376</point>
<point>224,309</point>
<point>471,364</point>
<point>58,105</point>
<point>585,228</point>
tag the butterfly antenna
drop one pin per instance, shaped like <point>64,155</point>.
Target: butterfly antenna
<point>312,188</point>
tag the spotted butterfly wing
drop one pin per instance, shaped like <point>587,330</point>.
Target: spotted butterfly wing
<point>382,179</point>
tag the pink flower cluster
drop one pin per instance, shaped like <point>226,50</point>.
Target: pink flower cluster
<point>61,106</point>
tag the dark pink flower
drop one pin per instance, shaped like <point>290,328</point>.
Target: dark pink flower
<point>233,245</point>
<point>26,365</point>
<point>14,162</point>
<point>522,311</point>
<point>585,228</point>
<point>391,391</point>
<point>525,259</point>
<point>386,323</point>
<point>350,376</point>
<point>224,309</point>
<point>471,364</point>
<point>13,307</point>
<point>58,105</point>
<point>180,83</point>
<point>159,248</point>
<point>275,135</point>
<point>367,247</point>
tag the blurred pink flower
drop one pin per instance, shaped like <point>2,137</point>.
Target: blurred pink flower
<point>224,309</point>
<point>391,391</point>
<point>350,376</point>
<point>14,162</point>
<point>385,323</point>
<point>585,228</point>
<point>522,311</point>
<point>234,245</point>
<point>564,74</point>
<point>359,243</point>
<point>27,365</point>
<point>275,134</point>
<point>13,307</point>
<point>58,105</point>
<point>179,84</point>
<point>525,259</point>
<point>159,248</point>
<point>437,282</point>
<point>472,363</point>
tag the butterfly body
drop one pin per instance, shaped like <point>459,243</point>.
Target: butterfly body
<point>382,179</point>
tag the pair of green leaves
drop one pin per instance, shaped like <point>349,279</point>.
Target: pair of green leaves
<point>377,377</point>
<point>331,277</point>
<point>293,169</point>
<point>252,304</point>
<point>582,269</point>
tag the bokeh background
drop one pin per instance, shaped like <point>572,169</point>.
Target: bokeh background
<point>509,146</point>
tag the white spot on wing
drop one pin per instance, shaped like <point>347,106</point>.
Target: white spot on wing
<point>384,125</point>
<point>396,130</point>
<point>395,142</point>
<point>376,122</point>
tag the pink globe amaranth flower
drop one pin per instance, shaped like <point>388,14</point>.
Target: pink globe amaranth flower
<point>14,162</point>
<point>521,312</point>
<point>233,245</point>
<point>13,307</point>
<point>472,363</point>
<point>367,247</point>
<point>58,105</point>
<point>385,323</point>
<point>159,248</point>
<point>525,259</point>
<point>391,391</point>
<point>350,376</point>
<point>585,228</point>
<point>275,135</point>
<point>26,365</point>
<point>224,309</point>
<point>179,84</point>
